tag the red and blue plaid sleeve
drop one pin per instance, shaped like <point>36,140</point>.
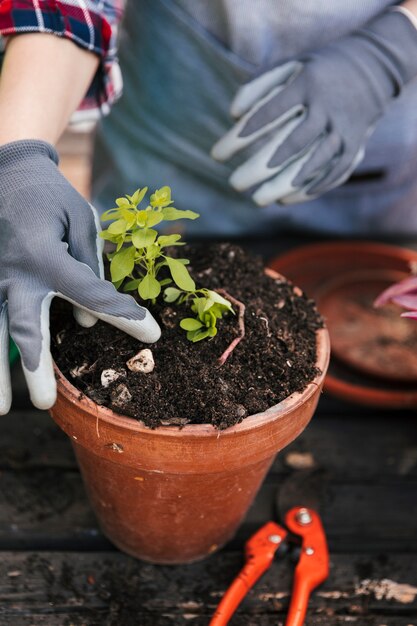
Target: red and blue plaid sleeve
<point>91,24</point>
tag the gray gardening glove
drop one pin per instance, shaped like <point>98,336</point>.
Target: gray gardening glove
<point>49,246</point>
<point>315,114</point>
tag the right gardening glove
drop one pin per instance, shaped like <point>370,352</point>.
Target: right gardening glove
<point>307,121</point>
<point>49,245</point>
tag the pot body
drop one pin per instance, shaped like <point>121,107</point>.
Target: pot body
<point>164,517</point>
<point>173,495</point>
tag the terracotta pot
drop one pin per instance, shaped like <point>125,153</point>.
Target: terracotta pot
<point>173,495</point>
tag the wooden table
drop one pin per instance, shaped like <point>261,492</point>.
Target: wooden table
<point>56,568</point>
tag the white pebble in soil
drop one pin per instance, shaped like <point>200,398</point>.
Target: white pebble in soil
<point>121,395</point>
<point>108,376</point>
<point>142,362</point>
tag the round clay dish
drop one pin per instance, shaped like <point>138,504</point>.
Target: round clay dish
<point>311,267</point>
<point>377,342</point>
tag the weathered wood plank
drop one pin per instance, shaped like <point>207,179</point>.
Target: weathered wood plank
<point>356,446</point>
<point>48,509</point>
<point>30,439</point>
<point>119,590</point>
<point>89,619</point>
<point>381,516</point>
<point>98,619</point>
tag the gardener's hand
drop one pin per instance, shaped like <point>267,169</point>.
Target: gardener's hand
<point>49,246</point>
<point>313,116</point>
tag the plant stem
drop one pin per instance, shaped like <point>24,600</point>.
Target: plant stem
<point>241,321</point>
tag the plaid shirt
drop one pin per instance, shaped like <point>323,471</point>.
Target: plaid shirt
<point>91,24</point>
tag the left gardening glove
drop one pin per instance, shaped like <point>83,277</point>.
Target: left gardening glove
<point>314,115</point>
<point>49,245</point>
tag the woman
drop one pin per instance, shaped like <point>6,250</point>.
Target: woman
<point>321,90</point>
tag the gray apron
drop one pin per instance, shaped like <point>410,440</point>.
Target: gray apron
<point>179,82</point>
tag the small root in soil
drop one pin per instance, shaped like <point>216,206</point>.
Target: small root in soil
<point>241,321</point>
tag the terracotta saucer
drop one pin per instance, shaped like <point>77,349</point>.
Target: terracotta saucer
<point>377,342</point>
<point>374,351</point>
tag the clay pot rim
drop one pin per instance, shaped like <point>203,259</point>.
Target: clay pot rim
<point>288,405</point>
<point>370,396</point>
<point>252,421</point>
<point>304,252</point>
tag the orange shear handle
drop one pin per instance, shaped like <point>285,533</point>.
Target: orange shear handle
<point>259,553</point>
<point>313,567</point>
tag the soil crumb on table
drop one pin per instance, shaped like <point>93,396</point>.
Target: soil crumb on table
<point>187,385</point>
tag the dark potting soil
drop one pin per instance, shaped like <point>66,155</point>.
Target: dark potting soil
<point>188,385</point>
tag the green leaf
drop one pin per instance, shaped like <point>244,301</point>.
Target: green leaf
<point>144,238</point>
<point>197,335</point>
<point>218,310</point>
<point>138,196</point>
<point>142,218</point>
<point>153,218</point>
<point>129,215</point>
<point>190,323</point>
<point>120,242</point>
<point>209,319</point>
<point>180,275</point>
<point>149,288</point>
<point>152,252</point>
<point>123,202</point>
<point>171,213</point>
<point>118,227</point>
<point>198,306</point>
<point>168,240</point>
<point>122,263</point>
<point>209,303</point>
<point>104,234</point>
<point>118,283</point>
<point>110,214</point>
<point>216,297</point>
<point>165,281</point>
<point>171,294</point>
<point>132,285</point>
<point>161,197</point>
<point>184,261</point>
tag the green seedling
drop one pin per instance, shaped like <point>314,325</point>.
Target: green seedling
<point>141,254</point>
<point>208,306</point>
<point>140,249</point>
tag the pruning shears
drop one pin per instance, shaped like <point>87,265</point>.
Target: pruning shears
<point>305,530</point>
